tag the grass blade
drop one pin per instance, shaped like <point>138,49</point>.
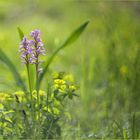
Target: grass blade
<point>134,129</point>
<point>125,134</point>
<point>16,75</point>
<point>71,39</point>
<point>75,35</point>
<point>20,32</point>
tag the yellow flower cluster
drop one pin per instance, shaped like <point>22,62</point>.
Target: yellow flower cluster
<point>60,84</point>
<point>21,94</point>
<point>5,97</point>
<point>64,82</point>
<point>59,81</point>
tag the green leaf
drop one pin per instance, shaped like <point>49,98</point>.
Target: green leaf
<point>124,134</point>
<point>75,35</point>
<point>134,129</point>
<point>71,39</point>
<point>4,58</point>
<point>21,34</point>
<point>74,94</point>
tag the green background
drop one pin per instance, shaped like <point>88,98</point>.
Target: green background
<point>105,61</point>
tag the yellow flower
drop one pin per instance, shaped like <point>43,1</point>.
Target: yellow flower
<point>123,70</point>
<point>72,87</point>
<point>4,97</point>
<point>69,78</point>
<point>59,82</point>
<point>20,95</point>
<point>63,87</point>
<point>42,93</point>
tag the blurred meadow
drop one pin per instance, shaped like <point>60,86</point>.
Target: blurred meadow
<point>104,61</point>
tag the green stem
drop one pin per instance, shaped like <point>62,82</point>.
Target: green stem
<point>30,85</point>
<point>38,98</point>
<point>37,80</point>
<point>48,93</point>
<point>31,97</point>
<point>37,88</point>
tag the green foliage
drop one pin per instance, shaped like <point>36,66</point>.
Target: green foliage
<point>21,34</point>
<point>36,112</point>
<point>71,39</point>
<point>134,129</point>
<point>16,112</point>
<point>4,58</point>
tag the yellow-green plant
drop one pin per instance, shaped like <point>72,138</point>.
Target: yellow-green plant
<point>35,113</point>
